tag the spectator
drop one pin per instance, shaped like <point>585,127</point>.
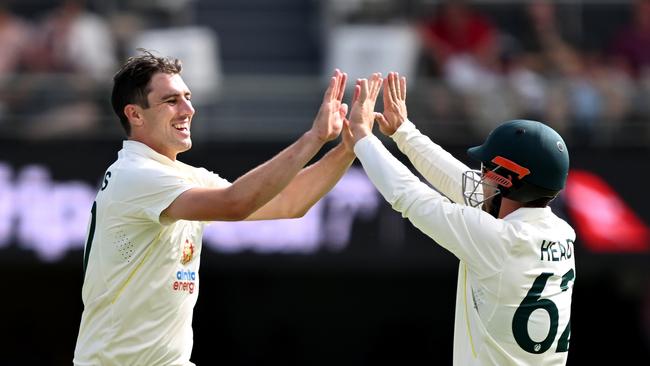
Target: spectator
<point>72,39</point>
<point>554,81</point>
<point>14,36</point>
<point>71,61</point>
<point>630,54</point>
<point>543,74</point>
<point>461,46</point>
<point>630,48</point>
<point>460,42</point>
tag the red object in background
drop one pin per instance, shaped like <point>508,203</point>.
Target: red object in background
<point>603,221</point>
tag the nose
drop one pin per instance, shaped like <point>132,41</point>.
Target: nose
<point>187,110</point>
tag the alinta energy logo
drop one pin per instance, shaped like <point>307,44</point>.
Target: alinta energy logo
<point>185,278</point>
<point>185,281</point>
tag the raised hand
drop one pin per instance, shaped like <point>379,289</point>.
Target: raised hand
<point>394,105</point>
<point>329,120</point>
<point>362,115</point>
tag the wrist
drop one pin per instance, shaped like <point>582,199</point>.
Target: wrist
<point>405,126</point>
<point>345,151</point>
<point>313,137</point>
<point>359,134</point>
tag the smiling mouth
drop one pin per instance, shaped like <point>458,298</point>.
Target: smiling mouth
<point>180,127</point>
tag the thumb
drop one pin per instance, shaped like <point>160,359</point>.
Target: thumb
<point>343,110</point>
<point>346,128</point>
<point>379,118</point>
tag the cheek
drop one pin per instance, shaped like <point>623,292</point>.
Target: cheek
<point>489,188</point>
<point>159,119</point>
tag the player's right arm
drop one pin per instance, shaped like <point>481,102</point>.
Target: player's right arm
<point>435,164</point>
<point>472,235</point>
<point>257,187</point>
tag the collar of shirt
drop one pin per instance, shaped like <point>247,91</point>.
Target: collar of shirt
<point>138,148</point>
<point>529,214</point>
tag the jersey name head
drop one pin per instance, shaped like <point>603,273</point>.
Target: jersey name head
<point>556,251</point>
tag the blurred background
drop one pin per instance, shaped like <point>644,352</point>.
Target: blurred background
<point>351,283</point>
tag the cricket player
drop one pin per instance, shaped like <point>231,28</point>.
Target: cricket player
<point>517,268</point>
<point>141,259</point>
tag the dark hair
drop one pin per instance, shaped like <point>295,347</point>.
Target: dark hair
<point>131,82</point>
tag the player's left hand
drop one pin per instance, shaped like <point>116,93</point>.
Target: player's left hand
<point>329,120</point>
<point>362,115</point>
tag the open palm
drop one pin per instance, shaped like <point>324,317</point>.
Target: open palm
<point>362,114</point>
<point>395,112</point>
<point>329,120</point>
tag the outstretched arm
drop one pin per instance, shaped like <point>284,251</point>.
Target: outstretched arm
<point>314,181</point>
<point>309,186</point>
<point>437,166</point>
<point>471,234</point>
<point>256,188</point>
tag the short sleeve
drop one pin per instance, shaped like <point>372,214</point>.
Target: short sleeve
<point>146,192</point>
<point>210,179</point>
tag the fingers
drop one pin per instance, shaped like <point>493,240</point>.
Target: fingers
<point>331,88</point>
<point>394,87</point>
<point>363,92</point>
<point>336,87</point>
<point>386,94</point>
<point>376,82</point>
<point>342,81</point>
<point>357,92</point>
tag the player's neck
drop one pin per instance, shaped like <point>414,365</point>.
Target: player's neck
<point>508,207</point>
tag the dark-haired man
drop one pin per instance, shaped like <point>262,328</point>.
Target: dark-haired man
<point>141,258</point>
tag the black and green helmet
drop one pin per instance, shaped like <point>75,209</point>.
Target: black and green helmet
<point>528,159</point>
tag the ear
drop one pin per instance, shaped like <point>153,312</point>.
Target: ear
<point>134,113</point>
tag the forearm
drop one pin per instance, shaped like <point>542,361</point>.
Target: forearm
<point>313,182</point>
<point>392,178</point>
<point>309,186</point>
<point>435,164</point>
<point>260,185</point>
<point>470,234</point>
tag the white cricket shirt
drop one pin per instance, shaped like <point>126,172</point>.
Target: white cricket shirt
<point>516,274</point>
<point>142,275</point>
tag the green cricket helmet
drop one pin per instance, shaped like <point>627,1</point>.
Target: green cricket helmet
<point>527,160</point>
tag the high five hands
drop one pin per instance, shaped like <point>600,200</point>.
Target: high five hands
<point>362,115</point>
<point>331,119</point>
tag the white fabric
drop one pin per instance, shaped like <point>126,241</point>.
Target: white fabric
<point>141,280</point>
<point>435,164</point>
<point>500,259</point>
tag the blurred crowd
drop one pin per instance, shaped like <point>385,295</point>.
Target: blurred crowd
<point>57,63</point>
<point>56,66</point>
<point>539,71</point>
<point>51,67</point>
